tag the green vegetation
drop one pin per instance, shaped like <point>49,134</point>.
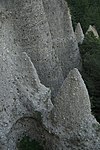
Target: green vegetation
<point>90,53</point>
<point>28,144</point>
<point>87,12</point>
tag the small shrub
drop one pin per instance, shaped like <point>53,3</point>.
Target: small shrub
<point>28,144</point>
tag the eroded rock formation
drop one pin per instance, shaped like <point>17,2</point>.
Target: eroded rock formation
<point>39,34</point>
<point>72,115</point>
<point>79,33</point>
<point>93,30</point>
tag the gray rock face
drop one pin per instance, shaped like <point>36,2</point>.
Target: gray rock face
<point>71,116</point>
<point>79,33</point>
<point>93,30</point>
<point>62,34</point>
<point>29,35</point>
<point>21,93</point>
<point>67,125</point>
<point>33,36</point>
<point>44,31</point>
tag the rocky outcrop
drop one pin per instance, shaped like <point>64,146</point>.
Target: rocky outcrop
<point>79,33</point>
<point>93,30</point>
<point>33,36</point>
<point>68,124</point>
<point>21,93</point>
<point>44,31</point>
<point>28,100</point>
<point>63,39</point>
<point>72,115</point>
<point>29,39</point>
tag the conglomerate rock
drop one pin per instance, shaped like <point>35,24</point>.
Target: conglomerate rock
<point>29,35</point>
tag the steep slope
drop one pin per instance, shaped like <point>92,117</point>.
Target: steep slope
<point>26,43</point>
<point>47,36</point>
<point>63,38</point>
<point>71,116</point>
<point>33,35</point>
<point>21,93</point>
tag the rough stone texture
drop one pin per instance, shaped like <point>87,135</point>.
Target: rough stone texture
<point>32,128</point>
<point>62,34</point>
<point>79,33</point>
<point>69,125</point>
<point>93,30</point>
<point>21,93</point>
<point>71,116</point>
<point>25,104</point>
<point>44,30</point>
<point>33,36</point>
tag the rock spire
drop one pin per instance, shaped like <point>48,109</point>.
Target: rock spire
<point>79,33</point>
<point>93,30</point>
<point>39,95</point>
